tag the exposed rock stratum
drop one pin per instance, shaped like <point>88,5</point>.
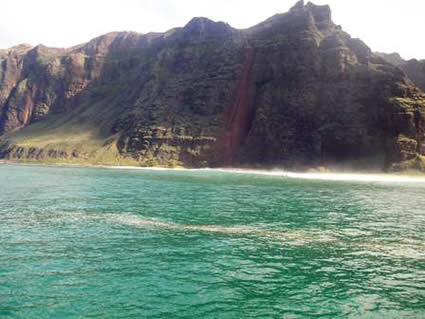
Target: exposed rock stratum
<point>292,91</point>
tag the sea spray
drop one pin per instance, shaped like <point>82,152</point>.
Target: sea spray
<point>347,177</point>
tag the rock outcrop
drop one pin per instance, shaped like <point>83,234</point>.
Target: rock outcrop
<point>415,69</point>
<point>295,90</point>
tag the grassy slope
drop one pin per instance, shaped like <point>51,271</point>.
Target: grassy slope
<point>86,130</point>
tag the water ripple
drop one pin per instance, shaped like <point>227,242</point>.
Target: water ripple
<point>209,244</point>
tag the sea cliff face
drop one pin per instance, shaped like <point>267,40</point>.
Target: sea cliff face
<point>295,90</point>
<point>415,69</point>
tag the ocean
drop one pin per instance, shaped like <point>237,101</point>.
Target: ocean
<point>147,243</point>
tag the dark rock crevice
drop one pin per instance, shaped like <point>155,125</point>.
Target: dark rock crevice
<point>238,117</point>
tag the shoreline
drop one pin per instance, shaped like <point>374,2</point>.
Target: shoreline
<point>330,175</point>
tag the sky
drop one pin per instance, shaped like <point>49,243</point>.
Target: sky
<point>385,25</point>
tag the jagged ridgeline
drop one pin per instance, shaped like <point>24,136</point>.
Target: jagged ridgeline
<point>295,90</point>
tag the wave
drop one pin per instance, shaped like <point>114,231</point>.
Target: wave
<point>348,177</point>
<point>294,236</point>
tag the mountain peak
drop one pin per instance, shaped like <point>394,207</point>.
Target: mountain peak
<point>201,27</point>
<point>200,21</point>
<point>301,17</point>
<point>298,5</point>
<point>321,13</point>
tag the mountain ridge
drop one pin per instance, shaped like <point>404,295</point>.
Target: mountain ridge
<point>294,90</point>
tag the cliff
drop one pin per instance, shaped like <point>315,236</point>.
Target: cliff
<point>293,91</point>
<point>415,69</point>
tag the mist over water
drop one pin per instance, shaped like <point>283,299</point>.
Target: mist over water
<point>82,242</point>
<point>349,177</point>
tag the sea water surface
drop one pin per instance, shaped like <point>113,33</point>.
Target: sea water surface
<point>109,243</point>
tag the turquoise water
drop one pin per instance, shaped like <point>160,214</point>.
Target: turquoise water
<point>105,243</point>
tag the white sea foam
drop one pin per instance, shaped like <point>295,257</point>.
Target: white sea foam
<point>296,237</point>
<point>406,248</point>
<point>355,177</point>
<point>349,177</point>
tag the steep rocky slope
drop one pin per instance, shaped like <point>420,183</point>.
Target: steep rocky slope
<point>415,69</point>
<point>295,90</point>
